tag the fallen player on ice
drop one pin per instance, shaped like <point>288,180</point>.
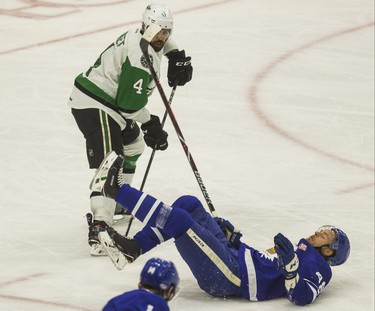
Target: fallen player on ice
<point>222,264</point>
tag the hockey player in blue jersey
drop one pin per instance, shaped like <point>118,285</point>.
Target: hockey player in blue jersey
<point>158,284</point>
<point>222,264</point>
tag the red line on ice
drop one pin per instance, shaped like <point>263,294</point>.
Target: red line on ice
<point>95,31</point>
<point>267,71</point>
<point>35,300</point>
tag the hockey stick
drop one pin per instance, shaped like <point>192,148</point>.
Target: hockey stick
<point>151,157</point>
<point>154,150</point>
<point>145,41</point>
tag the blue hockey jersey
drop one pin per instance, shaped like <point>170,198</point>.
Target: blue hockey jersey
<point>262,280</point>
<point>220,269</point>
<point>137,300</point>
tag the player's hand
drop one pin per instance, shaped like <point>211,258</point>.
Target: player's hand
<point>287,258</point>
<point>232,234</point>
<point>180,70</point>
<point>153,134</point>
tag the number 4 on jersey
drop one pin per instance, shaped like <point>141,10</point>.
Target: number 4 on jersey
<point>138,86</point>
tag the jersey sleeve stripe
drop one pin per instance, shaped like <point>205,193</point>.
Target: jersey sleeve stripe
<point>251,276</point>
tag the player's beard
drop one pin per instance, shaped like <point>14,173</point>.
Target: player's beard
<point>157,45</point>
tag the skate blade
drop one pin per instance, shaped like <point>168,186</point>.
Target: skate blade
<point>98,250</point>
<point>117,258</point>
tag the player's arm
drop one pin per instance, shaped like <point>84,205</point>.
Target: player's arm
<point>303,285</point>
<point>307,289</point>
<point>180,70</point>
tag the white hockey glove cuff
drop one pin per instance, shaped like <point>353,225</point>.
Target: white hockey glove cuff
<point>291,283</point>
<point>291,267</point>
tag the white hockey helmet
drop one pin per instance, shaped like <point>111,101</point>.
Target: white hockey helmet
<point>157,14</point>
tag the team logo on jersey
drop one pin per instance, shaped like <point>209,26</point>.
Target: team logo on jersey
<point>271,251</point>
<point>144,61</point>
<point>302,247</point>
<point>269,254</point>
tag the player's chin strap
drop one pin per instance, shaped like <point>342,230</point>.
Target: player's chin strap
<point>152,156</point>
<point>150,33</point>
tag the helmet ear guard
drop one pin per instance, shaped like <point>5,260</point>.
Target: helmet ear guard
<point>157,14</point>
<point>341,246</point>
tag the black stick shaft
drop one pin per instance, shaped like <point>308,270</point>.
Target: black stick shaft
<point>153,150</point>
<point>144,46</point>
<point>151,157</point>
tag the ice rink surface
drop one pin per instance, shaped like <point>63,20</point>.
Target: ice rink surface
<point>279,118</point>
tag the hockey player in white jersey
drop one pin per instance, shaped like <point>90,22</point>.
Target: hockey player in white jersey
<point>109,100</point>
<point>222,264</point>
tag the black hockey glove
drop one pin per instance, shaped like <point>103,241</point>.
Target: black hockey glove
<point>180,70</point>
<point>287,259</point>
<point>231,233</point>
<point>154,135</point>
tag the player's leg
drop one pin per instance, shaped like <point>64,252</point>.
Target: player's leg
<point>142,242</point>
<point>150,237</point>
<point>162,221</point>
<point>102,135</point>
<point>131,248</point>
<point>202,245</point>
<point>177,223</point>
<point>196,210</point>
<point>133,147</point>
<point>205,249</point>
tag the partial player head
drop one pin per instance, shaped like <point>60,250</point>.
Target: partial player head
<point>160,15</point>
<point>340,247</point>
<point>160,276</point>
<point>332,243</point>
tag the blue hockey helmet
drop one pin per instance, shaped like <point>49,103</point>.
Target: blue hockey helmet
<point>160,275</point>
<point>341,246</point>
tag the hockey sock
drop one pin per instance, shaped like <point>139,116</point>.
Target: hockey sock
<point>149,237</point>
<point>153,212</point>
<point>130,163</point>
<point>143,206</point>
<point>129,167</point>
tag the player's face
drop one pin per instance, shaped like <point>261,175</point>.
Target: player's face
<point>160,38</point>
<point>322,237</point>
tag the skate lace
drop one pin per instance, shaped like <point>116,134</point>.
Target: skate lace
<point>120,178</point>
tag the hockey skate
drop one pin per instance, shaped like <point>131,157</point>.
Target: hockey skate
<point>108,177</point>
<point>93,237</point>
<point>97,249</point>
<point>121,250</point>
